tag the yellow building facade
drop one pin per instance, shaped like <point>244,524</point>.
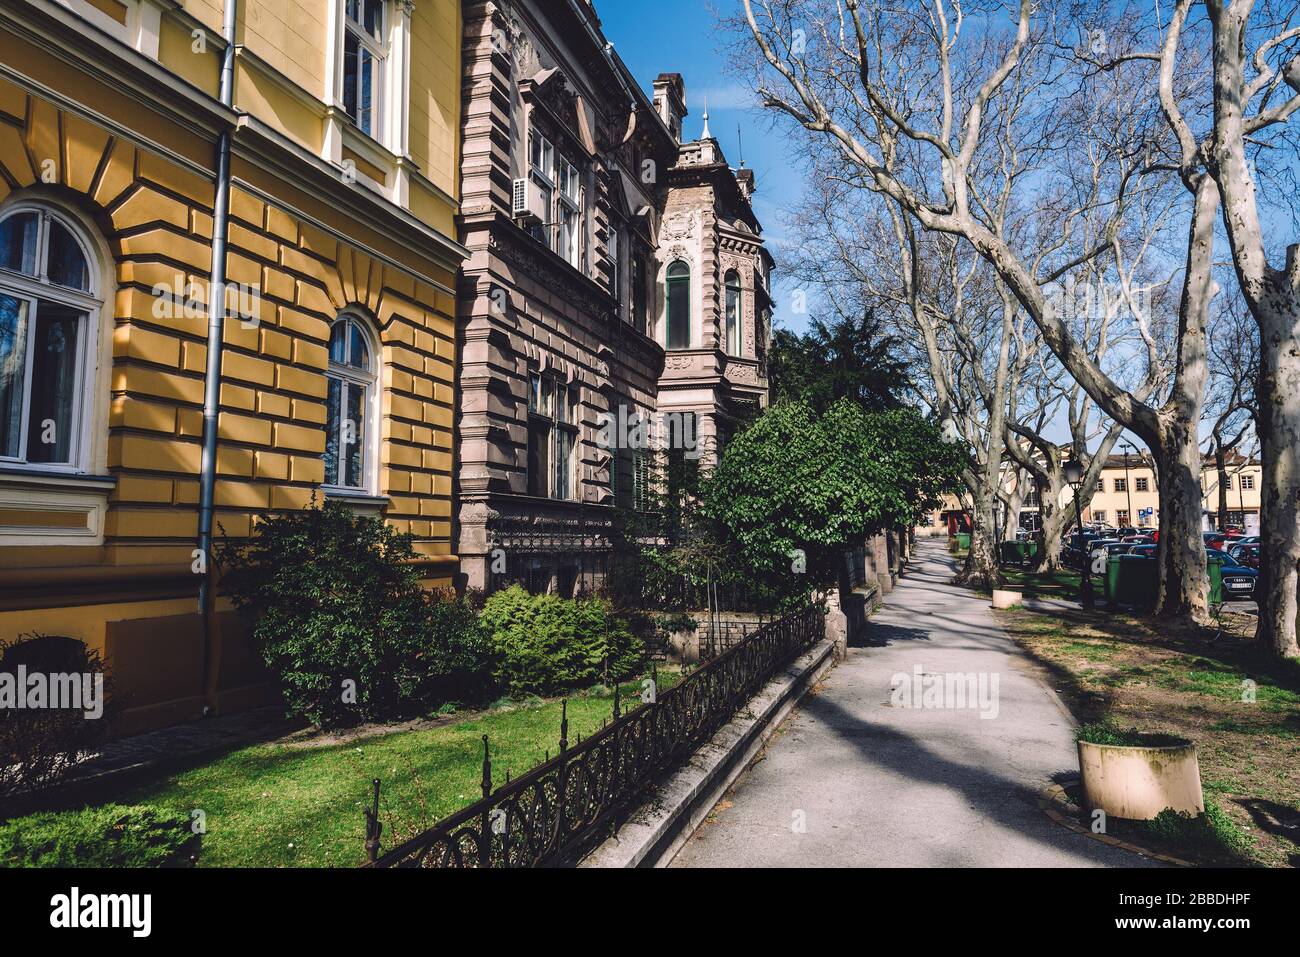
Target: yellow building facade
<point>1128,495</point>
<point>338,360</point>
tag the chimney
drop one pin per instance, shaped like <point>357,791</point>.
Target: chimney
<point>745,180</point>
<point>670,102</point>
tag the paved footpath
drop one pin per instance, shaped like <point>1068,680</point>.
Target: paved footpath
<point>855,779</point>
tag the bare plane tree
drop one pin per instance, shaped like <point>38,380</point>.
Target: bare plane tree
<point>925,113</point>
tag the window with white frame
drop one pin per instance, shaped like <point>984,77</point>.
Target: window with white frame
<point>541,163</point>
<point>640,293</point>
<point>1143,485</point>
<point>568,212</point>
<point>552,437</point>
<point>365,56</point>
<point>559,199</point>
<point>137,23</point>
<point>733,304</point>
<point>349,407</point>
<point>1248,483</point>
<point>48,297</point>
<point>615,267</point>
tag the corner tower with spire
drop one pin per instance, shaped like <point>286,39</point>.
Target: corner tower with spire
<point>716,273</point>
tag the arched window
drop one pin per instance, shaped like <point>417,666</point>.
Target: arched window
<point>678,299</point>
<point>350,403</point>
<point>733,312</point>
<point>47,296</point>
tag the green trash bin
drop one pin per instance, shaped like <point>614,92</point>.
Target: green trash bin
<point>963,541</point>
<point>1013,553</point>
<point>1216,580</point>
<point>1138,582</point>
<point>1110,584</point>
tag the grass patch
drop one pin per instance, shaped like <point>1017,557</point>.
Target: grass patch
<point>1102,732</point>
<point>298,802</point>
<point>1212,837</point>
<point>106,836</point>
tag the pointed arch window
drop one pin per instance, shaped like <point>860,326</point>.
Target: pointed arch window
<point>47,296</point>
<point>678,299</point>
<point>350,407</point>
<point>734,304</point>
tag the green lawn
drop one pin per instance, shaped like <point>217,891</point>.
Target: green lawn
<point>295,804</point>
<point>1214,686</point>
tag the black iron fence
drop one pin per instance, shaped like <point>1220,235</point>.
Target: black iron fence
<point>556,811</point>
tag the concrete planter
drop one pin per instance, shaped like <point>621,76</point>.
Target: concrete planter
<point>1002,598</point>
<point>1138,782</point>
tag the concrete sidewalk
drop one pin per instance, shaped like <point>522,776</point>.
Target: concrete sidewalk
<point>856,779</point>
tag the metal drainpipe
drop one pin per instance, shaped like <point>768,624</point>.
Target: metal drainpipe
<point>216,323</point>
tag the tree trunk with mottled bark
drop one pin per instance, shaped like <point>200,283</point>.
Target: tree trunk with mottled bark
<point>1279,435</point>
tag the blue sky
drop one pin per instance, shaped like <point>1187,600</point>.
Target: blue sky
<point>681,36</point>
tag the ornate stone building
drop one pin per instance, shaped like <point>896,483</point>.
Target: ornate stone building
<point>609,263</point>
<point>715,272</point>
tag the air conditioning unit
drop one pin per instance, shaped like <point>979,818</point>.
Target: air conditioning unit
<point>527,204</point>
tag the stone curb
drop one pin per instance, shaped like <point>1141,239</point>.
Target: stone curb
<point>658,828</point>
<point>1055,804</point>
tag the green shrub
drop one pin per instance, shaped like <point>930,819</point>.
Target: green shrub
<point>39,745</point>
<point>1212,835</point>
<point>546,644</point>
<point>339,616</point>
<point>113,835</point>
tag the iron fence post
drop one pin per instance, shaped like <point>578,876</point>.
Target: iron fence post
<point>373,828</point>
<point>485,827</point>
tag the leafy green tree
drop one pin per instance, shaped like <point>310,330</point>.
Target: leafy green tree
<point>844,359</point>
<point>796,489</point>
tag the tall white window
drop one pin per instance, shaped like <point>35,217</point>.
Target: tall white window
<point>733,312</point>
<point>365,55</point>
<point>349,409</point>
<point>568,212</point>
<point>615,268</point>
<point>541,162</point>
<point>47,296</point>
<point>558,199</point>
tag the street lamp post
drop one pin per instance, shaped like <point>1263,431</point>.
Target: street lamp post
<point>1128,447</point>
<point>1074,476</point>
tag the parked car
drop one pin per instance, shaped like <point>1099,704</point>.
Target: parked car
<point>1126,531</point>
<point>1245,554</point>
<point>1239,581</point>
<point>1076,547</point>
<point>1213,539</point>
<point>1137,539</point>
